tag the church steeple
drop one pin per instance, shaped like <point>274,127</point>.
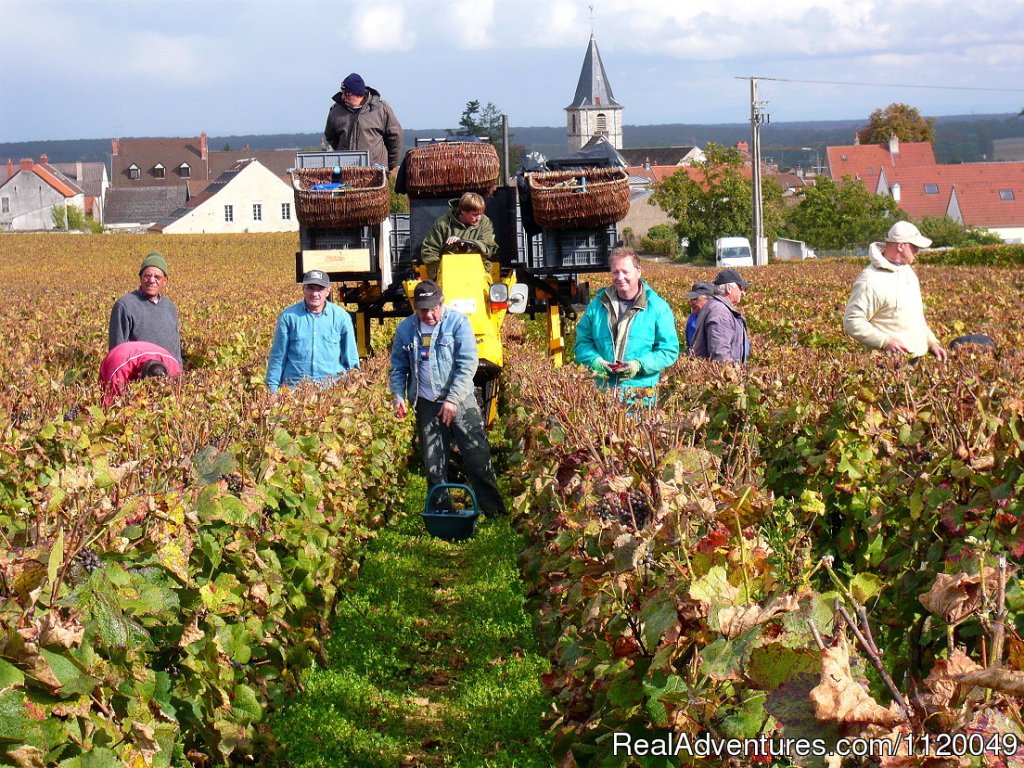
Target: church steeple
<point>594,110</point>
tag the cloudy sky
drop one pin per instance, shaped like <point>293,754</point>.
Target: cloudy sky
<point>105,68</point>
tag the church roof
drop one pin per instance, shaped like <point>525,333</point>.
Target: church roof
<point>593,88</point>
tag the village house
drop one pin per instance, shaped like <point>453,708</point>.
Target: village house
<point>34,196</point>
<point>982,195</point>
<point>245,198</point>
<point>157,180</point>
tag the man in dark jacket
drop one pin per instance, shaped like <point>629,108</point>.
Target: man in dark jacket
<point>721,329</point>
<point>361,120</point>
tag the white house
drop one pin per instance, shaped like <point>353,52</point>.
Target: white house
<point>247,198</point>
<point>29,194</point>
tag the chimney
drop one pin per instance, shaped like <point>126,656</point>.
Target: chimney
<point>43,159</point>
<point>79,175</point>
<point>204,151</point>
<point>26,164</point>
<point>743,147</point>
<point>115,147</point>
<point>10,167</point>
<point>894,146</point>
<point>896,192</point>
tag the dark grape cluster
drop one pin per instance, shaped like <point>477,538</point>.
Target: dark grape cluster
<point>234,481</point>
<point>89,560</point>
<point>630,508</point>
<point>72,414</point>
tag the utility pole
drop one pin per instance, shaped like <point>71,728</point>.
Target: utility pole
<point>758,116</point>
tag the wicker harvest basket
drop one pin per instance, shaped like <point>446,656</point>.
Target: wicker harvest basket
<point>581,199</point>
<point>451,168</point>
<point>363,202</point>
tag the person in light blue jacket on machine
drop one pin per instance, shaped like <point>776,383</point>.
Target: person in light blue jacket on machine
<point>314,339</point>
<point>627,335</point>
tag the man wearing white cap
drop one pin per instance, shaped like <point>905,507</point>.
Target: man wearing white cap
<point>885,310</point>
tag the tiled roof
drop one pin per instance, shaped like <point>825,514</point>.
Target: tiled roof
<point>91,181</point>
<point>55,179</point>
<point>146,154</point>
<point>655,155</point>
<point>593,88</point>
<point>858,160</point>
<point>980,202</point>
<point>142,205</point>
<point>926,188</point>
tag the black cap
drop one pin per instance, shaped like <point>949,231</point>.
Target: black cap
<point>316,277</point>
<point>427,295</point>
<point>701,288</point>
<point>730,276</point>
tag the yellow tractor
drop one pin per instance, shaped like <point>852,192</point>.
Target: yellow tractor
<point>483,295</point>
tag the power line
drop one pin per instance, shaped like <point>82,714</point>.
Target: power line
<point>889,85</point>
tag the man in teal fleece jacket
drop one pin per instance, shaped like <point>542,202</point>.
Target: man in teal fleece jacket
<point>627,335</point>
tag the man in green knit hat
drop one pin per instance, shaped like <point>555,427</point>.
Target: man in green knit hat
<point>146,314</point>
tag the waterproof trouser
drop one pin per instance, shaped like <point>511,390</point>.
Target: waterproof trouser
<point>467,431</point>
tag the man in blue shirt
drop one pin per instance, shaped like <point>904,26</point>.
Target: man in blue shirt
<point>433,362</point>
<point>698,296</point>
<point>314,338</point>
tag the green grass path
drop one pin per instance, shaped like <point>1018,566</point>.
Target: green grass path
<point>433,661</point>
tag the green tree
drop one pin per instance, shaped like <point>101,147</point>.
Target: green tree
<point>717,202</point>
<point>843,215</point>
<point>899,120</point>
<point>943,231</point>
<point>397,203</point>
<point>486,122</point>
<point>73,218</point>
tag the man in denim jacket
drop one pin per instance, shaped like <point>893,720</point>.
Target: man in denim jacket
<point>314,339</point>
<point>433,361</point>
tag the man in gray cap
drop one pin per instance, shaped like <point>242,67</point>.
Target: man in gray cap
<point>721,332</point>
<point>361,119</point>
<point>698,296</point>
<point>146,314</point>
<point>885,310</point>
<point>433,361</point>
<point>314,339</point>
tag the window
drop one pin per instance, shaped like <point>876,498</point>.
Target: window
<point>159,172</point>
<point>931,189</point>
<point>133,172</point>
<point>229,213</point>
<point>602,122</point>
<point>1006,194</point>
<point>257,211</point>
<point>286,211</point>
<point>185,171</point>
<point>5,205</point>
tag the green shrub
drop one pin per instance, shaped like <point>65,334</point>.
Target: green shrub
<point>977,256</point>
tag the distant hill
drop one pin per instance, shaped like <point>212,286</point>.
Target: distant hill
<point>958,139</point>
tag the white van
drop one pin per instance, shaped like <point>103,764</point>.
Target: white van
<point>733,252</point>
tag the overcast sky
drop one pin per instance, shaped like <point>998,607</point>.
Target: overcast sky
<point>106,68</point>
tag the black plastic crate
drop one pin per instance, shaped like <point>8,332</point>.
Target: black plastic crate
<point>401,251</point>
<point>572,250</point>
<point>319,239</point>
<point>313,239</point>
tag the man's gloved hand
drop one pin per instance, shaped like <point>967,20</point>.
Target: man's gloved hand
<point>629,369</point>
<point>600,367</point>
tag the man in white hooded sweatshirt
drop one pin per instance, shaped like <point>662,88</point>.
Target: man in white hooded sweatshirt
<point>885,310</point>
